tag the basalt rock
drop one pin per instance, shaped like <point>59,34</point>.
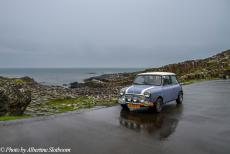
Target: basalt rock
<point>13,97</point>
<point>77,85</point>
<point>95,84</point>
<point>3,103</point>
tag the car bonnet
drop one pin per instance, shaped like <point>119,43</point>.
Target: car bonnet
<point>139,89</point>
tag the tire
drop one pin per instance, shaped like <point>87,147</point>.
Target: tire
<point>125,107</point>
<point>179,99</point>
<point>159,105</point>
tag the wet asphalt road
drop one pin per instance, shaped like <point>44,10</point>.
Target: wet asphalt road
<point>201,125</point>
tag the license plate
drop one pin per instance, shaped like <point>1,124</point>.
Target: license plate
<point>135,106</point>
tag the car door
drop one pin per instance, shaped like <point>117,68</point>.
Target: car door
<point>167,89</point>
<point>176,87</point>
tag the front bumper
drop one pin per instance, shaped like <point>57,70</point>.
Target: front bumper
<point>135,105</point>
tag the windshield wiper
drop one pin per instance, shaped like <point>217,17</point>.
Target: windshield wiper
<point>138,83</point>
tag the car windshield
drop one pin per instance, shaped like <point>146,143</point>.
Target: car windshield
<point>148,80</point>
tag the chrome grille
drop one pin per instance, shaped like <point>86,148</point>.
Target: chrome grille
<point>133,98</point>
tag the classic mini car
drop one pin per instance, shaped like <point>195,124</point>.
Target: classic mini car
<point>151,90</point>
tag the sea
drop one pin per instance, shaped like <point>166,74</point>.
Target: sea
<point>61,76</point>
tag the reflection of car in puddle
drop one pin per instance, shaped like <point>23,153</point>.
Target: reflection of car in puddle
<point>162,125</point>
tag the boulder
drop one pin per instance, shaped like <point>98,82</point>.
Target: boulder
<point>28,79</point>
<point>77,85</point>
<point>18,101</point>
<point>13,98</point>
<point>92,83</point>
<point>95,83</point>
<point>3,103</point>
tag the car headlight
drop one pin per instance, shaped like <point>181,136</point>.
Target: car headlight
<point>147,94</point>
<point>122,92</point>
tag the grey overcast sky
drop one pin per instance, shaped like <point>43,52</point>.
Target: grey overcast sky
<point>111,33</point>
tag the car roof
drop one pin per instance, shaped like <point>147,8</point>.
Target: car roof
<point>157,73</point>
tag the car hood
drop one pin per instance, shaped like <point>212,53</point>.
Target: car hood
<point>140,89</point>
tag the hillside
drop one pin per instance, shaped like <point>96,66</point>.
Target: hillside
<point>217,66</point>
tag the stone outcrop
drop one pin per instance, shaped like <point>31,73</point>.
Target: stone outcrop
<point>13,97</point>
<point>94,83</point>
<point>3,103</point>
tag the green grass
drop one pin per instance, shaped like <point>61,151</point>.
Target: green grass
<point>70,104</point>
<point>9,117</point>
<point>19,81</point>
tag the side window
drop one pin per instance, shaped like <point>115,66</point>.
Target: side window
<point>166,80</point>
<point>174,80</point>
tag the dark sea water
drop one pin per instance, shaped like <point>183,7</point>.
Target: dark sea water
<point>60,76</point>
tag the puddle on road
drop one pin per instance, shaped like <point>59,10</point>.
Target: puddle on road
<point>161,125</point>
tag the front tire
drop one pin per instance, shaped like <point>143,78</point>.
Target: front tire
<point>159,105</point>
<point>125,107</point>
<point>179,99</point>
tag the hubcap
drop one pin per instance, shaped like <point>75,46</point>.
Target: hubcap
<point>181,97</point>
<point>159,105</point>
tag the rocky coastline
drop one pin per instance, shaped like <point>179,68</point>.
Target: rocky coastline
<point>24,95</point>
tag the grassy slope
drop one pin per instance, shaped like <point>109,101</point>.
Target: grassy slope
<point>8,117</point>
<point>70,104</point>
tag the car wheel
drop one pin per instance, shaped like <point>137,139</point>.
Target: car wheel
<point>179,99</point>
<point>159,105</point>
<point>125,107</point>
